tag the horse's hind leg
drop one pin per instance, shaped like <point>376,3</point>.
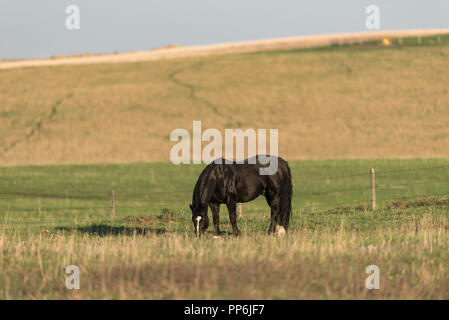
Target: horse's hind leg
<point>272,224</point>
<point>275,208</point>
<point>215,208</point>
<point>274,203</point>
<point>232,206</point>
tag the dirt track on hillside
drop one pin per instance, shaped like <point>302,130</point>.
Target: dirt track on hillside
<point>224,48</point>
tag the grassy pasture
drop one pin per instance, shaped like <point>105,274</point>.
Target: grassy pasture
<point>363,101</point>
<point>54,216</point>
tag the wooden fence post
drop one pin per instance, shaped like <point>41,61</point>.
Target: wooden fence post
<point>239,210</point>
<point>373,190</point>
<point>112,205</point>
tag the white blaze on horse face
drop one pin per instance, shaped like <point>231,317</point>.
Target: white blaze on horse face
<point>198,225</point>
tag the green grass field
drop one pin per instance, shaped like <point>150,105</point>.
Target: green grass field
<point>44,197</point>
<point>54,216</point>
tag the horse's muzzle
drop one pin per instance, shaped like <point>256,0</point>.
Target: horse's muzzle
<point>201,225</point>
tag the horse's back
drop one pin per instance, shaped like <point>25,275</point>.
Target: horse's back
<point>259,161</point>
<point>244,178</point>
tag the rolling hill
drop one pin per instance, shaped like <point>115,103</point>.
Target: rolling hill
<point>362,100</point>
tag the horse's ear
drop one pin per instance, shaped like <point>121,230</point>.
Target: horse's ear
<point>191,208</point>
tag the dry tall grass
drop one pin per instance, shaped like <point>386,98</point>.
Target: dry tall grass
<point>413,261</point>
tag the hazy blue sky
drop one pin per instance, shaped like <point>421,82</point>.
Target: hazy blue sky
<point>36,28</point>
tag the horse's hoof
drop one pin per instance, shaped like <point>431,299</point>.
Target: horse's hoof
<point>217,237</point>
<point>280,230</point>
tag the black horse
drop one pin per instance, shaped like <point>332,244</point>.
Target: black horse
<point>230,183</point>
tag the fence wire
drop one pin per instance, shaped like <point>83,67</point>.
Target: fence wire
<point>151,203</point>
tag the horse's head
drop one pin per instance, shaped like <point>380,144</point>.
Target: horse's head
<point>200,219</point>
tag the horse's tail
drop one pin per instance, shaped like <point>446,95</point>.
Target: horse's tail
<point>286,198</point>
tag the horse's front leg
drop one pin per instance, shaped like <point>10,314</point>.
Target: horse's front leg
<point>215,208</point>
<point>232,206</point>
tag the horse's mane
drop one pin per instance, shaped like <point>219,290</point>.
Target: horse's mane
<point>200,198</point>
